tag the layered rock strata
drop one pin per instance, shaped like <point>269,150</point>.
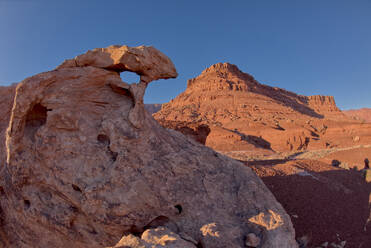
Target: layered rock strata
<point>245,115</point>
<point>363,114</point>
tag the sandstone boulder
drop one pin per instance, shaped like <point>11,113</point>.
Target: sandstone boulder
<point>87,166</point>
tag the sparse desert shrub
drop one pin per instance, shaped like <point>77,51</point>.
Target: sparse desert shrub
<point>335,163</point>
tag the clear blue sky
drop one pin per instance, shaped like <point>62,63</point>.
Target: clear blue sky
<point>309,47</point>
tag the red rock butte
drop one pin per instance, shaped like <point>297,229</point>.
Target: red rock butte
<point>363,114</point>
<point>228,110</point>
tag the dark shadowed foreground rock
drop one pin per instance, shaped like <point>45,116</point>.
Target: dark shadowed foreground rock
<point>87,166</point>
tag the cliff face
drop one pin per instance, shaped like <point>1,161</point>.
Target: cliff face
<point>323,104</point>
<point>363,114</point>
<point>243,114</point>
<point>225,83</point>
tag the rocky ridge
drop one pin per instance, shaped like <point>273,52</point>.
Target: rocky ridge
<point>86,166</point>
<point>152,108</point>
<point>242,114</point>
<point>363,114</point>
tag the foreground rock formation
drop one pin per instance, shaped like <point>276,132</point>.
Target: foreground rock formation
<point>229,110</point>
<point>87,166</point>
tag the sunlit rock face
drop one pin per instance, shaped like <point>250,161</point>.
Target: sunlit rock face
<point>6,103</point>
<point>241,114</point>
<point>363,114</point>
<point>87,166</point>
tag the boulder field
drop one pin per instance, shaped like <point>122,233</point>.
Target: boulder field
<point>84,165</point>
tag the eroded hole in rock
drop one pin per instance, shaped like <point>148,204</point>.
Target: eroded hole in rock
<point>113,155</point>
<point>103,139</point>
<point>37,115</point>
<point>76,188</point>
<point>35,118</point>
<point>27,204</point>
<point>179,208</point>
<point>130,77</point>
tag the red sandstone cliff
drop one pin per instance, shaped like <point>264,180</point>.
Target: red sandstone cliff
<point>323,104</point>
<point>238,113</point>
<point>363,114</point>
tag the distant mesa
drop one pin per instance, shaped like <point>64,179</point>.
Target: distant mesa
<point>153,108</point>
<point>227,78</point>
<point>363,114</point>
<point>243,114</point>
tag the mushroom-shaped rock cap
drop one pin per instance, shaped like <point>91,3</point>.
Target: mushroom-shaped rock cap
<point>148,62</point>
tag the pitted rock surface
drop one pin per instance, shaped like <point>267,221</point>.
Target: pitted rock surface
<point>87,166</point>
